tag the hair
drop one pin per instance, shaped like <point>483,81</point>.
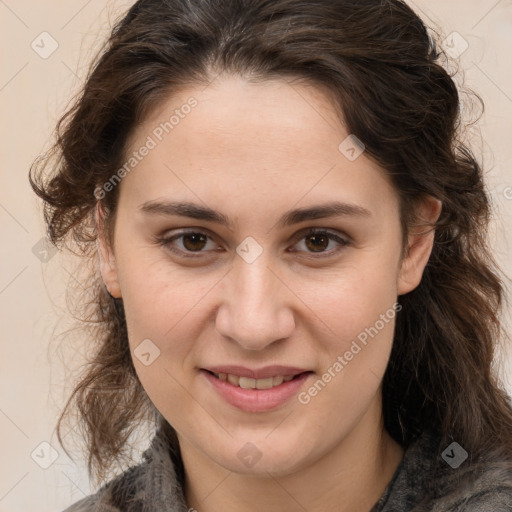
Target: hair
<point>384,73</point>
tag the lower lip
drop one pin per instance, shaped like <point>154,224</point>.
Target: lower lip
<point>257,400</point>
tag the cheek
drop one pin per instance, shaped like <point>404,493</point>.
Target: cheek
<point>170,308</point>
<point>358,309</point>
<point>354,360</point>
<point>157,296</point>
<point>353,299</point>
<point>163,311</point>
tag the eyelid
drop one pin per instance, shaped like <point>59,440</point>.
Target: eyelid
<point>339,237</point>
<point>167,239</point>
<point>333,235</point>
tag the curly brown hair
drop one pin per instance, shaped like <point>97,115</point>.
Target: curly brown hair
<point>384,71</point>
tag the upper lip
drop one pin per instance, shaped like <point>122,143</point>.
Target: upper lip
<point>260,373</point>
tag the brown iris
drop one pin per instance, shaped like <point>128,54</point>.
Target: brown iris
<point>198,240</point>
<point>320,242</point>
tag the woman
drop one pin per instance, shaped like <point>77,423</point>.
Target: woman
<point>294,284</point>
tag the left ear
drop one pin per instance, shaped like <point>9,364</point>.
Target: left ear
<point>106,257</point>
<point>421,243</point>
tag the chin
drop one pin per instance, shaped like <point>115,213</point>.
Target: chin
<point>278,456</point>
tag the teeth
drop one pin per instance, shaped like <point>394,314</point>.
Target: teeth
<point>264,383</point>
<point>248,383</point>
<point>276,381</point>
<point>233,379</point>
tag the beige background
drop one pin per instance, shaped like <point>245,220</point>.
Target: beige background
<point>33,92</point>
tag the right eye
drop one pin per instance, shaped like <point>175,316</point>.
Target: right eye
<point>191,242</point>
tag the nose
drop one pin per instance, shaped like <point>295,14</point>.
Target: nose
<point>256,306</point>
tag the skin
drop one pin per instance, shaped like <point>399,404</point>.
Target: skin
<point>254,151</point>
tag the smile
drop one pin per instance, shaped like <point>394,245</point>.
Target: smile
<point>255,395</point>
<point>248,383</point>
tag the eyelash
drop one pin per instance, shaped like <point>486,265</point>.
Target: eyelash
<point>166,241</point>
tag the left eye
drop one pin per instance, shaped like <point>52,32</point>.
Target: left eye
<point>315,241</point>
<point>318,240</point>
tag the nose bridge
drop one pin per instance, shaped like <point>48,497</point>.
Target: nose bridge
<point>255,309</point>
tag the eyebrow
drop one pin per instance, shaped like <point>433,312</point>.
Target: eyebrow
<point>199,212</point>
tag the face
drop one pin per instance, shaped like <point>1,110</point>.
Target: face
<point>236,280</point>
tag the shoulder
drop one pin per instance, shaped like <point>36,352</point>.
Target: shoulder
<point>483,485</point>
<point>481,489</point>
<point>87,504</point>
<point>153,484</point>
<point>114,495</point>
<point>495,500</point>
<point>428,480</point>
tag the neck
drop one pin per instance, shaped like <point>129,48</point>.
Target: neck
<point>351,477</point>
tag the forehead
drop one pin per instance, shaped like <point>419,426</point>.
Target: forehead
<point>244,142</point>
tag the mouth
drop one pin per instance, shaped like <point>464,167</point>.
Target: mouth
<point>274,387</point>
<point>250,383</point>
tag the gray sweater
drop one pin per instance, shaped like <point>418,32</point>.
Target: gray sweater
<point>425,480</point>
